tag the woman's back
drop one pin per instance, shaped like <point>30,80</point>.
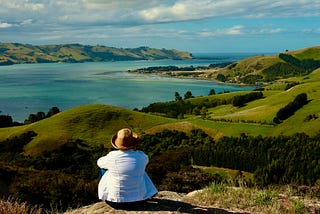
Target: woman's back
<point>125,179</point>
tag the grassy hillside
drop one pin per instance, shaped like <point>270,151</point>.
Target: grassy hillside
<point>265,69</point>
<point>12,53</point>
<point>93,124</point>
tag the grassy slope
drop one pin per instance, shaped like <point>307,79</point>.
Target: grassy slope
<point>94,124</point>
<point>255,65</point>
<point>265,110</point>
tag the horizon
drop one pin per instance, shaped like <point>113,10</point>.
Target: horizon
<point>202,26</point>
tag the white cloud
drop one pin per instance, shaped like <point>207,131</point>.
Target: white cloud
<point>240,30</point>
<point>236,30</point>
<point>22,5</point>
<point>5,25</point>
<point>90,21</point>
<point>312,31</point>
<point>26,22</point>
<point>202,9</point>
<point>276,30</point>
<point>116,4</point>
<point>129,12</point>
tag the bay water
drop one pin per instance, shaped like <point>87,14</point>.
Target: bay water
<point>30,88</point>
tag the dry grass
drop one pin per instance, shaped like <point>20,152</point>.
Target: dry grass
<point>254,200</point>
<point>15,207</point>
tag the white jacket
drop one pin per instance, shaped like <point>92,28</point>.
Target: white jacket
<point>125,179</point>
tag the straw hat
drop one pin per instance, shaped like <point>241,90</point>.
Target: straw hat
<point>125,139</point>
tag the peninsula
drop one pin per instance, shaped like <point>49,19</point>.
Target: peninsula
<point>15,53</point>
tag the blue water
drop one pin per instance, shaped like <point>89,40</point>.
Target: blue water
<point>30,88</point>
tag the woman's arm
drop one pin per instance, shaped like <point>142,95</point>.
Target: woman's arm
<point>103,162</point>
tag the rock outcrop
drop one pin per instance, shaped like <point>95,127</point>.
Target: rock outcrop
<point>163,202</point>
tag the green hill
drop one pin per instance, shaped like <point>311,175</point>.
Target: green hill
<point>93,124</point>
<point>13,53</point>
<point>265,69</point>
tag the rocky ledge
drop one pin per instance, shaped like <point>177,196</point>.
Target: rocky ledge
<point>163,202</point>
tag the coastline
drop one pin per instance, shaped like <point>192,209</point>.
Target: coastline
<point>207,74</point>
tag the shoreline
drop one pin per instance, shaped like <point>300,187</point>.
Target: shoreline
<point>191,75</point>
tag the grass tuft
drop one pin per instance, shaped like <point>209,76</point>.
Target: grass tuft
<point>252,199</point>
<point>10,206</point>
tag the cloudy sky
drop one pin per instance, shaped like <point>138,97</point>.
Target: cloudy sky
<point>193,25</point>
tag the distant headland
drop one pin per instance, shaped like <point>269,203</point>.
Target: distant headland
<point>15,53</point>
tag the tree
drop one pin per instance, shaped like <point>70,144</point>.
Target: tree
<point>238,101</point>
<point>177,96</point>
<point>5,121</point>
<point>53,111</point>
<point>35,117</point>
<point>221,78</point>
<point>212,92</point>
<point>31,119</point>
<point>188,95</point>
<point>40,115</point>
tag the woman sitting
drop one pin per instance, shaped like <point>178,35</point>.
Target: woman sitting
<point>125,182</point>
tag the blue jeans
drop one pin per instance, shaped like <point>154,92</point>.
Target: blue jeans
<point>101,172</point>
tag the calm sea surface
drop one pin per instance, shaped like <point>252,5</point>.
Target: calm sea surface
<point>30,88</point>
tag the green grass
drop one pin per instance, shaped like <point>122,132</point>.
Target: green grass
<point>264,110</point>
<point>225,173</point>
<point>308,53</point>
<point>234,129</point>
<point>94,124</point>
<point>254,200</point>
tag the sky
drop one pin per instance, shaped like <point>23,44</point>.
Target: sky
<point>197,26</point>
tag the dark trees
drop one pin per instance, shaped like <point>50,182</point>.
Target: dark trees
<point>241,100</point>
<point>41,115</point>
<point>5,121</point>
<point>212,92</point>
<point>287,111</point>
<point>188,95</point>
<point>177,96</point>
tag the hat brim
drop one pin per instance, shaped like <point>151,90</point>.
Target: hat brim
<point>134,142</point>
